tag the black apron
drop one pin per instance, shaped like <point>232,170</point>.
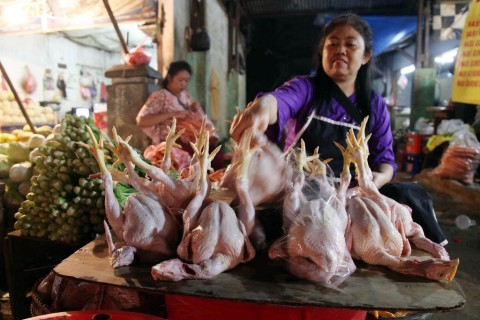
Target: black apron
<point>321,132</point>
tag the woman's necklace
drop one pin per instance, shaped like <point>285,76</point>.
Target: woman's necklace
<point>180,102</point>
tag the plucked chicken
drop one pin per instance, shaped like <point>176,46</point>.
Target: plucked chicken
<point>174,194</point>
<point>213,241</point>
<point>267,172</point>
<point>145,230</point>
<point>263,182</point>
<point>381,229</point>
<point>315,221</point>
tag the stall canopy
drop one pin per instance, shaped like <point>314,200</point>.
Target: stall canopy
<point>74,17</point>
<point>388,32</point>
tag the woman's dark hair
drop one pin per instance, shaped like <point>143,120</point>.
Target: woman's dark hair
<point>174,68</point>
<point>363,87</point>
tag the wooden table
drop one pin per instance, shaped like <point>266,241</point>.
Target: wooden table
<point>264,281</point>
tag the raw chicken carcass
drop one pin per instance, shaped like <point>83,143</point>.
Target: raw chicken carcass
<point>266,174</point>
<point>214,240</point>
<point>174,194</point>
<point>314,245</point>
<point>145,229</point>
<point>263,181</point>
<point>381,228</point>
<point>294,197</point>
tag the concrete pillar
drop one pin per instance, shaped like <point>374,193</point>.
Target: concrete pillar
<point>423,94</point>
<point>130,88</point>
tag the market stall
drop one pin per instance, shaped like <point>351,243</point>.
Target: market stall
<point>265,282</point>
<point>261,286</point>
<point>74,183</point>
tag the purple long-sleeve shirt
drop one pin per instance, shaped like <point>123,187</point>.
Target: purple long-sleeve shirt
<point>295,101</point>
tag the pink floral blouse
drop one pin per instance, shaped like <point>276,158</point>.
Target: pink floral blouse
<point>164,101</point>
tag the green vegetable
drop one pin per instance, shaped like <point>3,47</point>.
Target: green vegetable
<point>24,188</point>
<point>5,166</point>
<point>122,191</point>
<point>33,155</point>
<point>35,140</point>
<point>13,198</point>
<point>21,172</point>
<point>18,152</point>
<point>4,148</point>
<point>67,205</point>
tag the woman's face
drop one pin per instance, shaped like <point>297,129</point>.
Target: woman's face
<point>344,53</point>
<point>178,82</point>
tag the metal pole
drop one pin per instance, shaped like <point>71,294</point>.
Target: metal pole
<point>17,98</point>
<point>115,25</point>
<point>426,56</point>
<point>159,36</point>
<point>418,57</point>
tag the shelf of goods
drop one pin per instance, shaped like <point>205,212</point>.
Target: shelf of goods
<point>11,116</point>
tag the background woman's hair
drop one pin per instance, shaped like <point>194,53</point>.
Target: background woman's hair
<point>174,68</point>
<point>364,78</point>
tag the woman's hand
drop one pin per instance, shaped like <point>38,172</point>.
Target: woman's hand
<point>180,114</point>
<point>384,175</point>
<point>195,106</point>
<point>258,115</point>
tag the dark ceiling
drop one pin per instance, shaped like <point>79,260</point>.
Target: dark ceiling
<point>264,8</point>
<point>281,35</point>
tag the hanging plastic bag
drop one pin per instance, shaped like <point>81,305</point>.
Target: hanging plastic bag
<point>200,40</point>
<point>87,85</point>
<point>61,85</point>
<point>138,56</point>
<point>462,157</point>
<point>4,84</point>
<point>29,84</point>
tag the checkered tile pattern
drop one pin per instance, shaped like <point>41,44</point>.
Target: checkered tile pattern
<point>448,19</point>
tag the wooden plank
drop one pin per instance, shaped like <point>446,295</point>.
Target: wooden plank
<point>264,281</point>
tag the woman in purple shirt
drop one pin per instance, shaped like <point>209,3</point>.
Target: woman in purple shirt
<point>295,100</point>
<point>325,106</point>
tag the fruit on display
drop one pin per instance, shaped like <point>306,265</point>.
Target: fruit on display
<point>10,113</point>
<point>16,167</point>
<point>63,204</point>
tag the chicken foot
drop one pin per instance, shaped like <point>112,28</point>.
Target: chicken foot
<point>192,212</point>
<point>294,197</point>
<point>174,194</point>
<point>170,144</point>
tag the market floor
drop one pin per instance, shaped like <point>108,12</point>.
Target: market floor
<point>463,244</point>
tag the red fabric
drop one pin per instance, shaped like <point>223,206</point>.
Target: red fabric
<point>193,308</point>
<point>96,314</point>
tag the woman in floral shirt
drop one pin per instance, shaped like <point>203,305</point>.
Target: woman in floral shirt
<point>171,101</point>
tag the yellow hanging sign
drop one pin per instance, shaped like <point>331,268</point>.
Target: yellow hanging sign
<point>466,81</point>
